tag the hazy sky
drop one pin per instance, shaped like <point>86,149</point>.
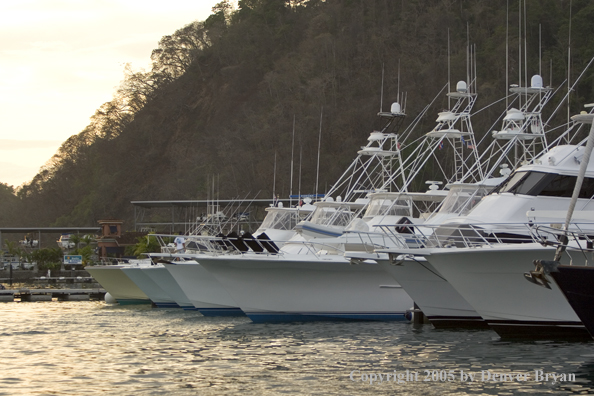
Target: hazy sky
<point>61,59</point>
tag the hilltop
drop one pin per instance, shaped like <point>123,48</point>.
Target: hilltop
<point>222,96</point>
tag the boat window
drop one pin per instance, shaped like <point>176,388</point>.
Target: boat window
<point>587,190</point>
<point>285,220</point>
<point>547,184</point>
<point>559,186</point>
<point>343,218</point>
<point>532,183</point>
<point>510,183</point>
<point>562,186</point>
<point>340,216</point>
<point>461,199</point>
<point>386,207</point>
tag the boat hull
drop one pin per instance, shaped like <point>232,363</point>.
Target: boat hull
<point>433,294</point>
<point>203,290</point>
<point>492,280</point>
<point>577,284</point>
<point>283,289</point>
<point>163,278</point>
<point>118,284</point>
<point>155,293</point>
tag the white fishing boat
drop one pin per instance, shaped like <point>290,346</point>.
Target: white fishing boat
<point>436,298</point>
<point>285,287</point>
<point>159,274</point>
<point>489,273</point>
<point>117,284</point>
<point>65,242</point>
<point>517,143</point>
<point>491,279</point>
<point>312,279</point>
<point>152,289</point>
<point>366,173</point>
<point>203,290</point>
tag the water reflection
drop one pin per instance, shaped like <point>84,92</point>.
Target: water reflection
<point>93,348</point>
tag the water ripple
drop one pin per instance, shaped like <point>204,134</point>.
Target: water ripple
<point>92,348</point>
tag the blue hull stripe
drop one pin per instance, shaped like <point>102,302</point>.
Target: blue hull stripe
<point>126,301</point>
<point>221,311</point>
<point>323,232</point>
<point>263,317</point>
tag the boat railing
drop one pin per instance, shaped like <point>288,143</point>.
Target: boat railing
<point>488,234</point>
<point>222,245</point>
<point>381,237</point>
<point>120,261</point>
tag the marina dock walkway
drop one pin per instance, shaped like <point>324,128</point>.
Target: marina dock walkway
<point>50,294</point>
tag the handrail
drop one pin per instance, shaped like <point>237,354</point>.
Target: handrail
<point>489,234</point>
<point>217,245</point>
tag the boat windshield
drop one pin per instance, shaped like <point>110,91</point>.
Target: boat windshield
<point>461,199</point>
<point>281,220</point>
<point>386,207</point>
<point>546,184</point>
<point>335,216</point>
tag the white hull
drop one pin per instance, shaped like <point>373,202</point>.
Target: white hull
<point>163,278</point>
<point>155,293</point>
<point>203,290</point>
<point>438,300</point>
<point>492,280</point>
<point>301,288</point>
<point>118,284</point>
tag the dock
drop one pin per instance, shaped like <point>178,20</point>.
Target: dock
<point>31,295</point>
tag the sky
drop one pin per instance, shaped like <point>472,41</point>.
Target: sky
<point>60,60</point>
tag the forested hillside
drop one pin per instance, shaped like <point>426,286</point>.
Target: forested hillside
<point>222,95</point>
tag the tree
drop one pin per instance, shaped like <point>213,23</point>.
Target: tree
<point>14,250</point>
<point>75,238</point>
<point>48,258</point>
<point>145,244</point>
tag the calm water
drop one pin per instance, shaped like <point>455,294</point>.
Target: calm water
<point>75,348</point>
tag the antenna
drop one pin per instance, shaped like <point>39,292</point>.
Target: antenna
<point>319,146</point>
<point>398,95</point>
<point>551,73</point>
<point>467,52</point>
<point>292,150</point>
<point>207,193</point>
<point>520,50</point>
<point>507,56</point>
<point>449,74</point>
<point>274,179</point>
<point>540,49</point>
<point>382,90</point>
<point>475,77</point>
<point>473,68</point>
<point>300,163</point>
<point>569,62</point>
<point>525,48</point>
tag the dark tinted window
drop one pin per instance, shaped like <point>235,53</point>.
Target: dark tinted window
<point>560,186</point>
<point>546,184</point>
<point>533,183</point>
<point>587,190</point>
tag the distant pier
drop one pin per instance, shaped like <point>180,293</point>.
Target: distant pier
<point>30,295</point>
